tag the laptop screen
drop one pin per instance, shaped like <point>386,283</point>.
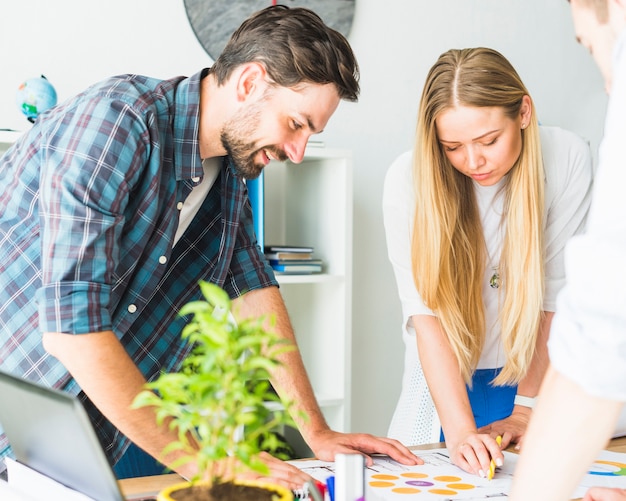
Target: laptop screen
<point>50,432</point>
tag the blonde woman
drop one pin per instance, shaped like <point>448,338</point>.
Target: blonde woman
<point>476,218</point>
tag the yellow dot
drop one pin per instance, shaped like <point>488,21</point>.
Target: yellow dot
<point>461,486</point>
<point>382,476</point>
<point>405,490</point>
<point>380,483</point>
<point>448,478</point>
<point>443,491</point>
<point>414,474</point>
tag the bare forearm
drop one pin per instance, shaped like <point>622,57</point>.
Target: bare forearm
<point>567,429</point>
<point>530,384</point>
<point>109,377</point>
<point>292,383</point>
<point>444,379</point>
<point>470,450</point>
<point>291,380</point>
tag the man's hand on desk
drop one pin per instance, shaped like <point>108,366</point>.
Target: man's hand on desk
<point>281,473</point>
<point>327,443</point>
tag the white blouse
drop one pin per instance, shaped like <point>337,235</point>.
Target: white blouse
<point>568,173</point>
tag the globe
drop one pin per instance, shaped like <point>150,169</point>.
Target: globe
<point>34,96</point>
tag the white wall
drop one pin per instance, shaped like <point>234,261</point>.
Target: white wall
<point>77,42</point>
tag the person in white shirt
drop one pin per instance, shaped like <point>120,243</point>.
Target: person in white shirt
<point>476,218</point>
<point>585,386</point>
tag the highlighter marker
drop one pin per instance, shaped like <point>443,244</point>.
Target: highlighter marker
<point>492,465</point>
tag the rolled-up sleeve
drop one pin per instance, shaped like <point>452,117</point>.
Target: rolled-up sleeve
<point>249,270</point>
<point>88,172</point>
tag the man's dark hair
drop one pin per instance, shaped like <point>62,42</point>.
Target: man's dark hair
<point>295,46</point>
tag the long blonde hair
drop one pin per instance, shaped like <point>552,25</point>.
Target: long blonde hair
<point>448,247</point>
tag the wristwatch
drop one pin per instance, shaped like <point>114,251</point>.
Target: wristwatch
<point>525,401</point>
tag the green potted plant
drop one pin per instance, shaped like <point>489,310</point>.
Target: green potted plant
<point>218,402</point>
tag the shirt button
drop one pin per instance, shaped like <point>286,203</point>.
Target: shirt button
<point>162,260</point>
<point>132,308</point>
<point>179,206</point>
<point>195,179</point>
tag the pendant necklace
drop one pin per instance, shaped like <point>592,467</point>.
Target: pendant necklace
<point>494,281</point>
<point>494,236</point>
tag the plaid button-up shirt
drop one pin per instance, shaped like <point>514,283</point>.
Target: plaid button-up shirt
<point>89,208</point>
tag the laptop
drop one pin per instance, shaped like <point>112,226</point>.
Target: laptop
<point>50,432</point>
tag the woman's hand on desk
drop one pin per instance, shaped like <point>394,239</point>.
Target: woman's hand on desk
<point>325,444</point>
<point>511,429</point>
<point>605,494</point>
<point>474,451</point>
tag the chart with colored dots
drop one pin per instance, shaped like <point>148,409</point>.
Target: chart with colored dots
<point>415,483</point>
<point>436,479</point>
<point>439,479</point>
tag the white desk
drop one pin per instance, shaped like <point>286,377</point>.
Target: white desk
<point>135,486</point>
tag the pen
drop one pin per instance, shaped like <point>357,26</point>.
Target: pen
<point>321,487</point>
<point>492,465</point>
<point>330,487</point>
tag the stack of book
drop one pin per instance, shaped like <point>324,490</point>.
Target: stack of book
<point>294,260</point>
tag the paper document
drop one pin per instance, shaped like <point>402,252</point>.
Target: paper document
<point>439,479</point>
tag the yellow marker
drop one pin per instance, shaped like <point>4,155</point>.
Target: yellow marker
<point>492,465</point>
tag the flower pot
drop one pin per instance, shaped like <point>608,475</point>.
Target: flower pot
<point>239,490</point>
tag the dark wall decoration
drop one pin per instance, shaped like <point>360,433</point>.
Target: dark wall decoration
<point>213,21</point>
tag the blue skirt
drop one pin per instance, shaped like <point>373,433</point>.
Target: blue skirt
<point>489,403</point>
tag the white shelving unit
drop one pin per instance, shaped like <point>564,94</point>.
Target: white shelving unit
<point>7,138</point>
<point>310,204</point>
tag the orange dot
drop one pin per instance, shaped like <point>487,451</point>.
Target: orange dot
<point>443,491</point>
<point>414,474</point>
<point>461,486</point>
<point>382,476</point>
<point>448,478</point>
<point>380,483</point>
<point>405,490</point>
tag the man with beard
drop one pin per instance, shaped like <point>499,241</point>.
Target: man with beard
<point>117,202</point>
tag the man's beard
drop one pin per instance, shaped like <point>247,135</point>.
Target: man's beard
<point>242,152</point>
